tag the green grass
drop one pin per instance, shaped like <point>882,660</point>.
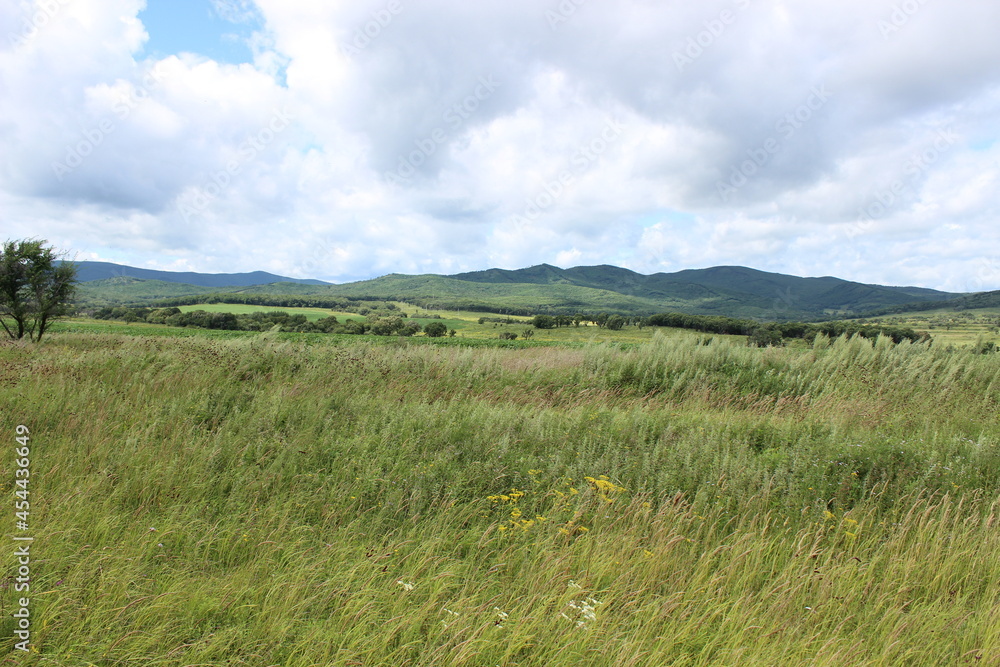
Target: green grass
<point>263,499</point>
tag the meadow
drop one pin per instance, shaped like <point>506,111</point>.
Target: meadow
<point>235,498</point>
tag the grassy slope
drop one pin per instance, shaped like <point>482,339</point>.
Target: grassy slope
<point>257,500</point>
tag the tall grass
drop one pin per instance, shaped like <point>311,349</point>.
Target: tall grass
<point>263,501</point>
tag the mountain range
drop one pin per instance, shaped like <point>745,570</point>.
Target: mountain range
<point>90,271</point>
<point>723,290</point>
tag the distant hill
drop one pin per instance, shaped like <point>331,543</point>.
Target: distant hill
<point>732,291</point>
<point>722,286</point>
<point>89,271</point>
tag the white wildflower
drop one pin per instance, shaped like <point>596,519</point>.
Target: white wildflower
<point>586,611</point>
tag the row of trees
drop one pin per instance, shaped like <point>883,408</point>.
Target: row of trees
<point>343,304</point>
<point>275,320</point>
<point>773,333</point>
<point>606,320</point>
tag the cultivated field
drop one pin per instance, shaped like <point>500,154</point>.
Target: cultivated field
<point>262,499</point>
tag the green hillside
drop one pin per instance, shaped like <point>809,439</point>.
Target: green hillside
<point>88,271</point>
<point>734,286</point>
<point>126,290</point>
<point>726,290</point>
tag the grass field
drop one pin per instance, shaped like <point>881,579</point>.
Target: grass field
<point>263,499</point>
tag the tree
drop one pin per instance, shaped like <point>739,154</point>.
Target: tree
<point>544,321</point>
<point>436,329</point>
<point>386,326</point>
<point>615,322</point>
<point>408,329</point>
<point>35,288</point>
<point>765,336</point>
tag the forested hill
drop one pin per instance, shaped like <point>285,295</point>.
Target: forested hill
<point>90,271</point>
<point>722,284</point>
<point>731,291</point>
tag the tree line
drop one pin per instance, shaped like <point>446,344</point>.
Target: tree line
<point>343,304</point>
<point>773,333</point>
<point>275,320</point>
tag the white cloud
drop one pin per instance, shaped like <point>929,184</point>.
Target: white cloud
<point>483,108</point>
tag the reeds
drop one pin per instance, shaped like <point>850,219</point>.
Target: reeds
<point>260,501</point>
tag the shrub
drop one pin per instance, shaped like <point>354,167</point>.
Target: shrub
<point>615,322</point>
<point>543,322</point>
<point>436,329</point>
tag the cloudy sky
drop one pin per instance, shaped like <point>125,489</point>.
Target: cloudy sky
<point>344,140</point>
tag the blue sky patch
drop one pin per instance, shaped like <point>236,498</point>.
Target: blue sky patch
<point>218,29</point>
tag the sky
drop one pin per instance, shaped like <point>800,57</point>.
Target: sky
<point>344,140</point>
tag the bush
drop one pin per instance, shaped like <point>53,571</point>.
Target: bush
<point>436,329</point>
<point>409,329</point>
<point>615,322</point>
<point>765,337</point>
